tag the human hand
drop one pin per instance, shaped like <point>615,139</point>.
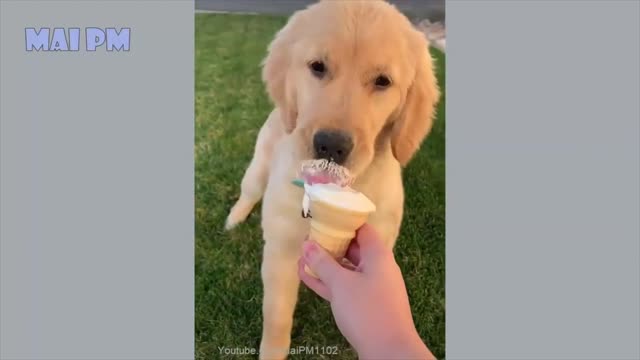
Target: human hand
<point>370,302</point>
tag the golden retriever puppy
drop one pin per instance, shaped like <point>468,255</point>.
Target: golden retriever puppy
<point>352,81</point>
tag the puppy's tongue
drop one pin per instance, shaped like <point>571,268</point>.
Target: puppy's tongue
<point>317,179</point>
<point>325,172</point>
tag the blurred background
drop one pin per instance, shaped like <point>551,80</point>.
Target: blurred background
<point>428,15</point>
<point>427,9</point>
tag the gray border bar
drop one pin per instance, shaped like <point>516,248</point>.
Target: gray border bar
<point>96,239</point>
<point>543,180</point>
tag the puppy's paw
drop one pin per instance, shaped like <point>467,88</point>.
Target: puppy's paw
<point>238,214</point>
<point>232,221</point>
<point>229,224</point>
<point>273,351</point>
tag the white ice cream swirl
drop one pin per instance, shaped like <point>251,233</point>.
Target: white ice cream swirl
<point>340,197</point>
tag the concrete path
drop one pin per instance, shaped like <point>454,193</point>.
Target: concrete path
<point>415,9</point>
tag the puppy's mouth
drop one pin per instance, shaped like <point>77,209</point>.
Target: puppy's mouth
<point>323,171</point>
<point>325,146</point>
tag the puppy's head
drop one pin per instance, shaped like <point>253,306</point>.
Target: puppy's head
<point>352,78</point>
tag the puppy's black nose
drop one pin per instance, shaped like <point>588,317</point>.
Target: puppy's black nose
<point>332,145</point>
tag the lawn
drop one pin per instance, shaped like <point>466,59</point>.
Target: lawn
<point>231,105</point>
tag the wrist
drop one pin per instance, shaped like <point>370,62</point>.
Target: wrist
<point>401,345</point>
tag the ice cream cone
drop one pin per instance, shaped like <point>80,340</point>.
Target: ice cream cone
<point>333,227</point>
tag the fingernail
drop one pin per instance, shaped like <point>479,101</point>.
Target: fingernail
<point>309,249</point>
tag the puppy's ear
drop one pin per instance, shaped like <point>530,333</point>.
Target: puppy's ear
<point>275,73</point>
<point>416,117</point>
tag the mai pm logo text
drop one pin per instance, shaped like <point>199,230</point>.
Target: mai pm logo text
<point>62,39</point>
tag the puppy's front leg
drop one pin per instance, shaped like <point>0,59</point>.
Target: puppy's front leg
<point>387,225</point>
<point>255,177</point>
<point>281,283</point>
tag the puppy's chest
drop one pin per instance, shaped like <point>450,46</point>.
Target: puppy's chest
<point>382,191</point>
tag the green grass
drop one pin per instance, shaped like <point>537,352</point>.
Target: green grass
<point>231,105</point>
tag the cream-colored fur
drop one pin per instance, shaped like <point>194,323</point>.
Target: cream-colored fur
<point>358,41</point>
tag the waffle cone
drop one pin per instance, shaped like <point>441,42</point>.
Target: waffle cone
<point>333,228</point>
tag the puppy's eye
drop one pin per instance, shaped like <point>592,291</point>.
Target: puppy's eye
<point>382,82</point>
<point>318,68</point>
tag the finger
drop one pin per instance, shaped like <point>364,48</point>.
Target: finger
<point>347,264</point>
<point>353,253</point>
<point>312,283</point>
<point>322,264</point>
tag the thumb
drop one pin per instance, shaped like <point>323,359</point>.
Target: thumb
<point>369,243</point>
<point>321,262</point>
